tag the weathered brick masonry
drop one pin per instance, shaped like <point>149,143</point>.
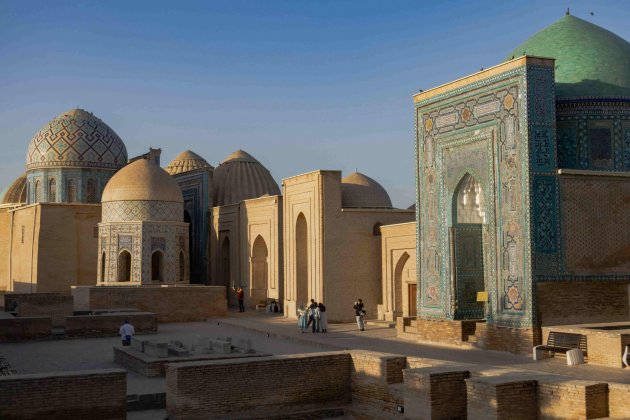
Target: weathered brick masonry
<point>618,400</point>
<point>108,325</point>
<point>255,388</point>
<point>21,329</point>
<point>512,340</point>
<point>435,392</point>
<point>55,305</point>
<point>570,399</point>
<point>94,395</point>
<point>500,397</point>
<point>373,377</point>
<point>169,303</point>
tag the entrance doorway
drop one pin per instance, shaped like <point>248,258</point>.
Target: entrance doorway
<point>124,266</point>
<point>412,299</point>
<point>466,234</point>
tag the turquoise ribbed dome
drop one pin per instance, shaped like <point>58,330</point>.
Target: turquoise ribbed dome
<point>590,61</point>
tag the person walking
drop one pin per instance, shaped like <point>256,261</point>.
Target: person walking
<point>240,296</point>
<point>311,312</point>
<point>315,318</point>
<point>359,313</point>
<point>126,331</point>
<point>323,318</point>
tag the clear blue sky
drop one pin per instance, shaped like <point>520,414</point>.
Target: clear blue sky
<point>300,85</point>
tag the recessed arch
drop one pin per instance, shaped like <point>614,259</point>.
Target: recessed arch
<point>157,266</point>
<point>90,191</point>
<point>103,265</point>
<point>124,266</point>
<point>301,259</point>
<point>182,266</point>
<point>398,283</point>
<point>259,264</point>
<point>71,190</point>
<point>225,263</point>
<point>52,190</point>
<point>38,191</point>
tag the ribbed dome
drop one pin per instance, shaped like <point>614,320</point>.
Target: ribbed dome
<point>142,180</point>
<point>76,139</point>
<point>15,193</point>
<point>590,61</point>
<point>187,161</point>
<point>241,177</point>
<point>361,191</point>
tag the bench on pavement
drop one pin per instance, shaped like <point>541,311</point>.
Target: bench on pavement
<point>561,342</point>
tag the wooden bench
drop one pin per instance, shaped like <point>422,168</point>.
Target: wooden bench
<point>560,342</point>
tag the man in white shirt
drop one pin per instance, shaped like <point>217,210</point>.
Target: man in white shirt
<point>126,331</point>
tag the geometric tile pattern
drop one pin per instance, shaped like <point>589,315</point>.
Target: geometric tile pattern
<point>128,211</point>
<point>76,139</point>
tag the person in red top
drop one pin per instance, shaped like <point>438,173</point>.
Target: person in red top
<point>240,295</point>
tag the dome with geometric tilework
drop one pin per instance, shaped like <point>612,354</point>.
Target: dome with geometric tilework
<point>590,61</point>
<point>76,139</point>
<point>361,191</point>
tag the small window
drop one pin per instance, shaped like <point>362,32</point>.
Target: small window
<point>600,144</point>
<point>72,191</point>
<point>52,191</point>
<point>90,191</point>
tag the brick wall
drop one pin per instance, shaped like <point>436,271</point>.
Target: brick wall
<point>618,400</point>
<point>445,331</point>
<point>169,303</point>
<point>270,385</point>
<point>54,305</point>
<point>21,329</point>
<point>373,375</point>
<point>501,398</point>
<point>562,398</point>
<point>512,340</point>
<point>566,303</point>
<point>108,325</point>
<point>94,395</point>
<point>435,392</point>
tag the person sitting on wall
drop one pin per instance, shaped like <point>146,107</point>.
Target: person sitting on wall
<point>126,331</point>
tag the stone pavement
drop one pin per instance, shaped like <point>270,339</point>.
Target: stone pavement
<point>382,339</point>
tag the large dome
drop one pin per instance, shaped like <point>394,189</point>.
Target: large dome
<point>361,191</point>
<point>590,61</point>
<point>241,177</point>
<point>76,139</point>
<point>187,161</point>
<point>142,180</point>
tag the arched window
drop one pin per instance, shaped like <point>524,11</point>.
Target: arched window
<point>182,266</point>
<point>71,192</point>
<point>90,191</point>
<point>124,266</point>
<point>52,190</point>
<point>157,266</point>
<point>38,191</point>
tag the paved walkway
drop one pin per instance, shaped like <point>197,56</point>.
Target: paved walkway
<point>382,339</point>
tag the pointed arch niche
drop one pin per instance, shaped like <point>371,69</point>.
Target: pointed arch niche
<point>301,259</point>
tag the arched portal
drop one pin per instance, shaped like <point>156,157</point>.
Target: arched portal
<point>301,259</point>
<point>103,265</point>
<point>259,269</point>
<point>124,266</point>
<point>398,284</point>
<point>157,266</point>
<point>469,215</point>
<point>225,263</point>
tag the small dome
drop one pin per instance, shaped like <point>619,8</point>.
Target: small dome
<point>15,193</point>
<point>360,191</point>
<point>142,180</point>
<point>241,177</point>
<point>590,61</point>
<point>76,139</point>
<point>187,161</point>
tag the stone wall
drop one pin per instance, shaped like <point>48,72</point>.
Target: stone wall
<point>22,329</point>
<point>372,376</point>
<point>571,399</point>
<point>511,340</point>
<point>169,303</point>
<point>565,303</point>
<point>54,305</point>
<point>501,398</point>
<point>445,331</point>
<point>95,395</point>
<point>242,388</point>
<point>109,324</point>
<point>618,400</point>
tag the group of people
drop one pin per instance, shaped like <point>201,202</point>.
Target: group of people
<point>314,314</point>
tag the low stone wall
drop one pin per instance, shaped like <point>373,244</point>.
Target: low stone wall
<point>54,305</point>
<point>170,303</point>
<point>436,392</point>
<point>618,400</point>
<point>245,388</point>
<point>109,324</point>
<point>571,399</point>
<point>501,397</point>
<point>95,395</point>
<point>511,340</point>
<point>372,375</point>
<point>24,329</point>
